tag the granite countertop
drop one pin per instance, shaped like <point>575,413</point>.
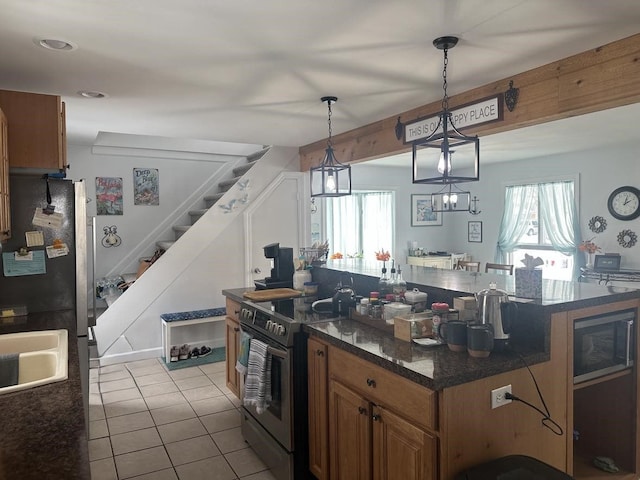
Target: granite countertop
<point>435,367</point>
<point>557,295</point>
<point>42,430</point>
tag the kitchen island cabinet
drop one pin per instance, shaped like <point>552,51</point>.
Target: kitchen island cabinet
<point>232,343</point>
<point>467,431</point>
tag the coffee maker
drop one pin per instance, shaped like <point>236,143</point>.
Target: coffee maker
<point>495,309</point>
<point>282,271</point>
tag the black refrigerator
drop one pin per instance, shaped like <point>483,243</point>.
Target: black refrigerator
<point>63,284</point>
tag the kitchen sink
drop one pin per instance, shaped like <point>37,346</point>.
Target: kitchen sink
<point>43,357</point>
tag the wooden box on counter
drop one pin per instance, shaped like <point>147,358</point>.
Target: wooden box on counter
<point>413,325</point>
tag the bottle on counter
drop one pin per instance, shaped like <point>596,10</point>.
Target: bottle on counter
<point>440,312</point>
<point>399,286</point>
<point>383,283</point>
<point>392,276</point>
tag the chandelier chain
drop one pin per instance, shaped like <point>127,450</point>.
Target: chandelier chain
<point>445,99</point>
<point>329,122</point>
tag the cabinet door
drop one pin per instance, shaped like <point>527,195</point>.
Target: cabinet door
<point>35,125</point>
<point>400,449</point>
<point>5,210</point>
<point>349,433</point>
<point>232,349</point>
<point>318,409</point>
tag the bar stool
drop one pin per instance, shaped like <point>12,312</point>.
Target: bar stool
<point>468,266</point>
<point>498,266</point>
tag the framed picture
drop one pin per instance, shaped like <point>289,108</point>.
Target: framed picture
<point>474,232</point>
<point>422,214</point>
<point>145,186</point>
<point>108,196</point>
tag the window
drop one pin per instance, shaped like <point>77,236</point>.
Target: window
<point>540,220</point>
<point>361,223</point>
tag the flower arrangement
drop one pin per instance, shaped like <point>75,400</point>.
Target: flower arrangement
<point>588,246</point>
<point>383,256</point>
<point>336,256</point>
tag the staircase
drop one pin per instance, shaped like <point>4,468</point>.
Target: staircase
<point>210,200</point>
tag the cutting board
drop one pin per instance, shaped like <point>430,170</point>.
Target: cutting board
<point>272,294</point>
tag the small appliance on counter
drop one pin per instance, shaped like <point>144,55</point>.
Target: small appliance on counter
<point>494,308</point>
<point>283,269</point>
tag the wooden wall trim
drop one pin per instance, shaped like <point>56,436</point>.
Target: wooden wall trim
<point>598,79</point>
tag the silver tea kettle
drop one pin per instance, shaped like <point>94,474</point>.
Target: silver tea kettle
<point>494,308</point>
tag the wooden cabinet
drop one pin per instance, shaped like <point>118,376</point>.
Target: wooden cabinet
<point>317,381</point>
<point>5,204</point>
<point>232,341</point>
<point>36,129</point>
<point>373,423</point>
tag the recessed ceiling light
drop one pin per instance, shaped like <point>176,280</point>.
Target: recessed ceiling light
<point>55,44</point>
<point>91,94</point>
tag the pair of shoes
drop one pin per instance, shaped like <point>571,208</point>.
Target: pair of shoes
<point>175,352</point>
<point>200,352</point>
<point>184,352</point>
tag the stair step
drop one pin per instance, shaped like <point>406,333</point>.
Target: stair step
<point>225,185</point>
<point>196,214</point>
<point>164,245</point>
<point>180,230</point>
<point>244,168</point>
<point>257,155</point>
<point>210,200</point>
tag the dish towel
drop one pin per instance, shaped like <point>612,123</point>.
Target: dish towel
<point>257,387</point>
<point>9,369</point>
<point>243,353</point>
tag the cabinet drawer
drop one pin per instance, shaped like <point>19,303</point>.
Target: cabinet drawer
<point>233,309</point>
<point>412,401</point>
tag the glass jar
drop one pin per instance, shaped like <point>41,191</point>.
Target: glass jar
<point>440,314</point>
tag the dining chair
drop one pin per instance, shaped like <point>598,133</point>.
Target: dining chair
<point>468,266</point>
<point>498,266</point>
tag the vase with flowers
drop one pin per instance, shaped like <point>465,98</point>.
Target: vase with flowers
<point>589,248</point>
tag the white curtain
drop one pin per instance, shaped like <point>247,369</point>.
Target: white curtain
<point>362,222</point>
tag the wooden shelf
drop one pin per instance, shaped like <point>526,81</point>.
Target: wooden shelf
<point>583,469</point>
<point>604,378</point>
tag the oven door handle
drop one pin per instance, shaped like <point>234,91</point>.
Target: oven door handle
<point>277,352</point>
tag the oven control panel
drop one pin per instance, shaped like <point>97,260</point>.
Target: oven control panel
<point>263,321</point>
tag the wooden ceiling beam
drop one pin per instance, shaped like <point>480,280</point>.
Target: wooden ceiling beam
<point>598,79</point>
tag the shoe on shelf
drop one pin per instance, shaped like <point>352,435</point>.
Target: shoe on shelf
<point>175,353</point>
<point>204,350</point>
<point>195,353</point>
<point>184,352</point>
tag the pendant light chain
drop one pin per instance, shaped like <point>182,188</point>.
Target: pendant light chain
<point>329,143</point>
<point>445,99</point>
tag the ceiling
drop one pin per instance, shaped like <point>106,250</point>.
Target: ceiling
<point>254,71</point>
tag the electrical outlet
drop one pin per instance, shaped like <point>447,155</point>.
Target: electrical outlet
<point>498,396</point>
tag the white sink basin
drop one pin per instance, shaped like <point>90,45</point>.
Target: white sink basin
<point>43,357</point>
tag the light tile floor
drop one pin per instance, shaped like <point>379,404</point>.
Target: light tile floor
<point>149,423</point>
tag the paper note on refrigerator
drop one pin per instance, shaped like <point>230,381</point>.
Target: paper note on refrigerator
<point>53,220</point>
<point>13,268</point>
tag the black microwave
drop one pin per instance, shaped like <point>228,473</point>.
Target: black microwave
<point>603,344</point>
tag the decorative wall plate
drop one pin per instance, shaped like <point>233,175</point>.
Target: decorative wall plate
<point>627,238</point>
<point>597,224</point>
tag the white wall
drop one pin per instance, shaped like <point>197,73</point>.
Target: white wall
<point>599,173</point>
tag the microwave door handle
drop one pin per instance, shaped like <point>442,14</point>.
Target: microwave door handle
<point>629,333</point>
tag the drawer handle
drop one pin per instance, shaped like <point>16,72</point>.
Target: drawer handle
<point>375,417</point>
<point>236,329</point>
<point>371,382</point>
<point>362,410</point>
<point>320,353</point>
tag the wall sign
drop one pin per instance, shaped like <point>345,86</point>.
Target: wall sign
<point>485,111</point>
<point>108,196</point>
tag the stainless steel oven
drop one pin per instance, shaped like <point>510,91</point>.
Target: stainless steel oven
<point>279,434</point>
<point>603,344</point>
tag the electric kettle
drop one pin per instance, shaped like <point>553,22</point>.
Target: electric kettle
<point>344,297</point>
<point>494,308</point>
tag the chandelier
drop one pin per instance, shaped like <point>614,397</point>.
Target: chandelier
<point>331,178</point>
<point>433,161</point>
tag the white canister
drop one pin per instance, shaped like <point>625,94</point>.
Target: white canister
<point>299,279</point>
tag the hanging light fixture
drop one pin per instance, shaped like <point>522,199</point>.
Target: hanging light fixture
<point>433,155</point>
<point>331,178</point>
<point>451,199</point>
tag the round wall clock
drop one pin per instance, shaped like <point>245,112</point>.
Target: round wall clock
<point>624,203</point>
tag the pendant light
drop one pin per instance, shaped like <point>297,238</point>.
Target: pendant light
<point>433,161</point>
<point>331,178</point>
<point>451,199</point>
